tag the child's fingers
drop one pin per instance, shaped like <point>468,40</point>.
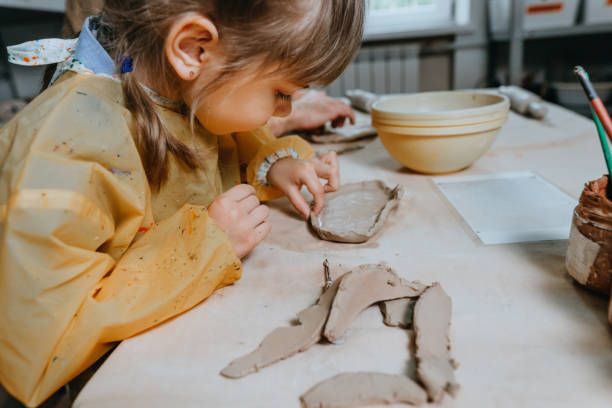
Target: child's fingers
<point>333,181</point>
<point>330,160</point>
<point>258,216</point>
<point>249,204</point>
<point>240,192</point>
<point>299,202</point>
<point>316,189</point>
<point>323,170</point>
<point>262,231</point>
<point>326,172</point>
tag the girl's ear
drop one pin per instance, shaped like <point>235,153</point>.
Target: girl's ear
<point>190,40</point>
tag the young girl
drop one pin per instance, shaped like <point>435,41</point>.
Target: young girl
<point>120,202</point>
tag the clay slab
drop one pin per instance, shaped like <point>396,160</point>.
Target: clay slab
<point>398,312</point>
<point>359,389</point>
<point>284,342</point>
<point>362,287</point>
<point>435,367</point>
<point>355,212</point>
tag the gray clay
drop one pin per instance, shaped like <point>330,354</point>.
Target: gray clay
<point>284,342</point>
<point>359,389</point>
<point>398,312</point>
<point>356,212</point>
<point>435,367</point>
<point>361,288</point>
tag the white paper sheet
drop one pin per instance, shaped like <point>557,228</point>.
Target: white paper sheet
<point>510,207</point>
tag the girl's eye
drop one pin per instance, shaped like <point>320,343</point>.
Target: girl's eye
<point>283,97</point>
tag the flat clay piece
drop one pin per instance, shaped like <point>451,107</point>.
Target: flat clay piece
<point>398,312</point>
<point>355,212</point>
<point>435,367</point>
<point>359,389</point>
<point>360,288</point>
<point>284,342</point>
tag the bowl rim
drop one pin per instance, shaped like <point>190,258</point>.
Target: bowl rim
<point>502,104</point>
<point>439,123</point>
<point>442,131</point>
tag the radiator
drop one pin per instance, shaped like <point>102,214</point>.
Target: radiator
<point>400,68</point>
<point>381,69</point>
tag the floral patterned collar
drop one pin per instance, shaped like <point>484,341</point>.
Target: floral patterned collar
<point>83,54</point>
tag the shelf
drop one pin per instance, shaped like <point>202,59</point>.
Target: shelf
<point>580,29</point>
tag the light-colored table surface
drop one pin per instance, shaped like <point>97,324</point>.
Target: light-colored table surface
<point>523,333</point>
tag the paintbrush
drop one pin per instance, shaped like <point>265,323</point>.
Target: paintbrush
<point>606,151</point>
<point>595,101</point>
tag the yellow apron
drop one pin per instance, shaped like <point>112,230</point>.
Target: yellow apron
<point>88,255</point>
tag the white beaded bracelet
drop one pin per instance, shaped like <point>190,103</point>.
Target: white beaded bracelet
<point>262,172</point>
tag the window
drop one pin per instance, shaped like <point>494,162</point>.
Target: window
<point>395,5</point>
<point>389,16</point>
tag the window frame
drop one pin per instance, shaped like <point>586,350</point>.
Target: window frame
<point>385,23</point>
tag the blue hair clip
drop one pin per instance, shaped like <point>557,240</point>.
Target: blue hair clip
<point>127,65</point>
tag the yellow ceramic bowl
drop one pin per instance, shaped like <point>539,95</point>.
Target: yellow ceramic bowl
<point>446,108</point>
<point>439,132</point>
<point>442,130</point>
<point>437,154</point>
<point>452,121</point>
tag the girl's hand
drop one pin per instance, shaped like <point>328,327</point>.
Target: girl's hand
<point>289,175</point>
<point>240,215</point>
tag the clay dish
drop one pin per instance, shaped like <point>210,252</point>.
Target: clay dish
<point>356,212</point>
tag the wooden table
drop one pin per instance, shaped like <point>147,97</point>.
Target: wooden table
<point>523,333</point>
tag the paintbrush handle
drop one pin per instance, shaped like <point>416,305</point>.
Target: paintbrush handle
<point>588,87</point>
<point>603,116</point>
<point>605,147</point>
<point>596,103</point>
<point>585,81</point>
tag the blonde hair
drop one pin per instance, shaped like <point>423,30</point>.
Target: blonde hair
<point>312,41</point>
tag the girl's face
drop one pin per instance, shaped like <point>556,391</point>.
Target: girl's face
<point>246,102</point>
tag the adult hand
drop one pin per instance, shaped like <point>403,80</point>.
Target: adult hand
<point>311,111</point>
